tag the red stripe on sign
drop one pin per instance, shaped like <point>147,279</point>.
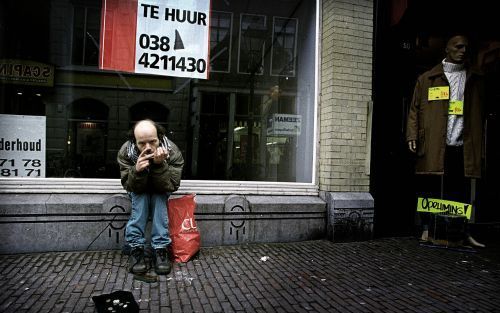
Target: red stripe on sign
<point>118,29</point>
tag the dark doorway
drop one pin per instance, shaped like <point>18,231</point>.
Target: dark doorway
<point>410,39</point>
<point>213,136</point>
<point>87,139</point>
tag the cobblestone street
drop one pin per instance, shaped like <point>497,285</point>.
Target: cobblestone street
<point>386,275</point>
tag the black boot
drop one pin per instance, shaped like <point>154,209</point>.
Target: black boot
<point>162,262</point>
<point>137,264</point>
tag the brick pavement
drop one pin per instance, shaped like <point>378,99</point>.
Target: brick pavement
<point>386,275</point>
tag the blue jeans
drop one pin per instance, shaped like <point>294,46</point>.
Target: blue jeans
<point>142,205</point>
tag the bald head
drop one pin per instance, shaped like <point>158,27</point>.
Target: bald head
<point>456,49</point>
<point>146,136</point>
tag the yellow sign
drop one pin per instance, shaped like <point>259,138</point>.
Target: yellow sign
<point>24,72</point>
<point>439,93</point>
<point>444,206</point>
<point>456,107</point>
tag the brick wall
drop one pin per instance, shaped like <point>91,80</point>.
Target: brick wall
<point>346,89</point>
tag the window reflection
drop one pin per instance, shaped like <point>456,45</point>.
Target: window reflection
<point>220,41</point>
<point>86,27</point>
<point>284,45</point>
<point>240,124</point>
<point>86,143</point>
<point>252,43</point>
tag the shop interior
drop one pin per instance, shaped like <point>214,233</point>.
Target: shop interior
<point>410,39</point>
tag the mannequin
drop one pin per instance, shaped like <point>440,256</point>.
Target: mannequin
<point>445,125</point>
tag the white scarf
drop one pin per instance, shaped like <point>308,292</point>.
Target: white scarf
<point>455,73</point>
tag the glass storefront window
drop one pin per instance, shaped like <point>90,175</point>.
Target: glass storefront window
<point>220,41</point>
<point>284,44</point>
<point>85,42</point>
<point>253,33</point>
<point>252,120</point>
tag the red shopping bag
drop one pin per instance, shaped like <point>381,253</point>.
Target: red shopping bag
<point>183,230</point>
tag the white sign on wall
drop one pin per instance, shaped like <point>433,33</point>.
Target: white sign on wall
<point>22,146</point>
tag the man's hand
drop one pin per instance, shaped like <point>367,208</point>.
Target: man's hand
<point>160,155</point>
<point>412,145</point>
<point>143,160</point>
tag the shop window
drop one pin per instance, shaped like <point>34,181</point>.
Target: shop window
<point>24,25</point>
<point>213,136</point>
<point>282,142</point>
<point>221,124</point>
<point>245,107</point>
<point>220,41</point>
<point>284,46</point>
<point>253,33</point>
<point>86,27</point>
<point>149,110</point>
<point>22,101</point>
<point>87,139</point>
<point>248,162</point>
<point>152,111</point>
<point>89,109</point>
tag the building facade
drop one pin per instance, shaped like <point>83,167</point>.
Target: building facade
<point>276,141</point>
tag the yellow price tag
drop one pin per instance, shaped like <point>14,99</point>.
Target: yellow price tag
<point>439,93</point>
<point>456,107</point>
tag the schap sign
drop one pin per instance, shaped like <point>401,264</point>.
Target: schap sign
<point>161,37</point>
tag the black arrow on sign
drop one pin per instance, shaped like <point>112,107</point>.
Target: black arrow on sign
<point>179,45</point>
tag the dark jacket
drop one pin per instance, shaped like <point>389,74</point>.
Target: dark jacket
<point>427,123</point>
<point>161,178</point>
